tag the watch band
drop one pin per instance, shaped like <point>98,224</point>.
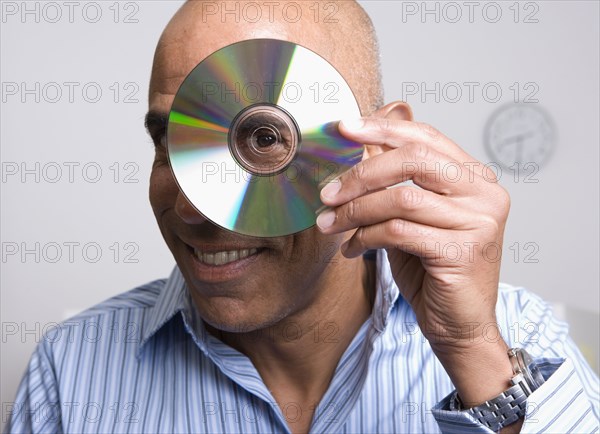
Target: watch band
<point>506,408</point>
<point>510,405</point>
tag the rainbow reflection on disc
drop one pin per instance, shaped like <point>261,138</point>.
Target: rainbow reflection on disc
<point>252,136</point>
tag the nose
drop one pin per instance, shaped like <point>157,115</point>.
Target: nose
<point>185,210</point>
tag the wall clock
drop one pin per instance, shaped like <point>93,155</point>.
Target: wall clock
<point>519,135</point>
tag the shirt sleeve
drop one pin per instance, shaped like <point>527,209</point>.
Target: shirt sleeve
<point>568,401</point>
<point>36,408</point>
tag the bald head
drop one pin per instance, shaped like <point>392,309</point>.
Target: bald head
<point>341,32</point>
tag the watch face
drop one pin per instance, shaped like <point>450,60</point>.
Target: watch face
<point>518,135</point>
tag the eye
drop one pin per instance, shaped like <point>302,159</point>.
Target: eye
<point>156,125</point>
<point>264,137</point>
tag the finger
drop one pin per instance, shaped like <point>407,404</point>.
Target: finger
<point>414,238</point>
<point>395,133</point>
<point>426,167</point>
<point>405,202</point>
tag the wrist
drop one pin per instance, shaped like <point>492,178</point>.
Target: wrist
<point>506,411</point>
<point>479,372</point>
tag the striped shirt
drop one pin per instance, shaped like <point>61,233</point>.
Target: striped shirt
<point>142,362</point>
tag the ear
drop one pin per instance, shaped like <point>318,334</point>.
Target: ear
<point>397,110</point>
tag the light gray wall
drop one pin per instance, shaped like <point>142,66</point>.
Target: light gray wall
<point>558,214</point>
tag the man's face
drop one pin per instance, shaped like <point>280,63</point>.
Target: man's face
<point>281,276</point>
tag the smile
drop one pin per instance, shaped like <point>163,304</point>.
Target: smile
<point>224,257</point>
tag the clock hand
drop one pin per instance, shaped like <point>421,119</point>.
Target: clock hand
<point>519,150</point>
<point>516,138</point>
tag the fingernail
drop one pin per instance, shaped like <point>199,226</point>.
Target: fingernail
<point>331,189</point>
<point>326,219</point>
<point>353,124</point>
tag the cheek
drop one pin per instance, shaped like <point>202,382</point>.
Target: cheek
<point>163,189</point>
<point>316,250</point>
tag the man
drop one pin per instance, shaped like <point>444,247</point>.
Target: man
<point>307,333</point>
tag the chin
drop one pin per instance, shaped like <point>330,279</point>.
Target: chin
<point>234,315</point>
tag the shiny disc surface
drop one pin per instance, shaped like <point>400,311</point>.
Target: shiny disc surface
<point>235,83</point>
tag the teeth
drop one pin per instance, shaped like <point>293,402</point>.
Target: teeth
<point>225,257</point>
<point>232,256</point>
<point>220,258</point>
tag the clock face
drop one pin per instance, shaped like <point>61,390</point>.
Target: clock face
<point>518,135</point>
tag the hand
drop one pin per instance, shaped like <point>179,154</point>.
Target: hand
<point>443,237</point>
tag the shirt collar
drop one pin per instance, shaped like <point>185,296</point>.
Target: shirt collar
<point>170,301</point>
<point>174,298</point>
<point>386,293</point>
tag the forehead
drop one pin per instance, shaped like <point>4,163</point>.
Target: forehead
<point>179,52</point>
<point>193,34</point>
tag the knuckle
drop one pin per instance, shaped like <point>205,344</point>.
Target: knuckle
<point>357,172</point>
<point>417,151</point>
<point>503,202</point>
<point>386,126</point>
<point>505,198</point>
<point>359,237</point>
<point>351,211</point>
<point>408,198</point>
<point>489,174</point>
<point>429,131</point>
<point>488,224</point>
<point>396,227</point>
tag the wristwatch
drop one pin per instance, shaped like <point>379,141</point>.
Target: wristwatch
<point>510,405</point>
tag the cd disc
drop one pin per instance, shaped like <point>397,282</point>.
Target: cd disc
<point>252,136</point>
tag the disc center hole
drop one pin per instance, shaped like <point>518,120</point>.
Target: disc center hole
<point>263,139</point>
